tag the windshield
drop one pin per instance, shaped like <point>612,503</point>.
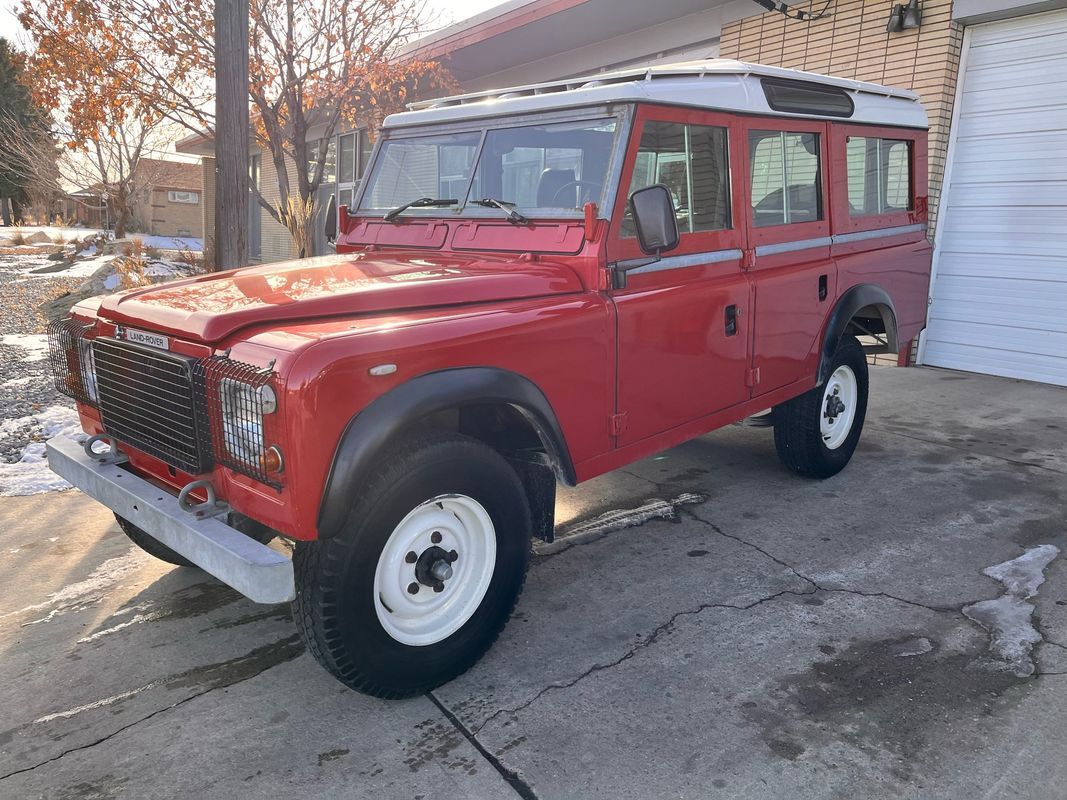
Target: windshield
<point>549,168</point>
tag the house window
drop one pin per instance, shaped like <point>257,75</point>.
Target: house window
<point>192,198</point>
<point>329,164</point>
<point>879,175</point>
<point>692,161</point>
<point>353,152</point>
<point>786,187</point>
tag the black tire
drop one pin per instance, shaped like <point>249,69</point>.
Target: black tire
<point>151,545</point>
<point>335,603</point>
<point>797,435</point>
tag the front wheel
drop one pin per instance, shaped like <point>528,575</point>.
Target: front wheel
<point>816,434</point>
<point>427,570</point>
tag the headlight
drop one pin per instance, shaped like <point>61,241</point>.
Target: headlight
<point>87,366</point>
<point>243,408</point>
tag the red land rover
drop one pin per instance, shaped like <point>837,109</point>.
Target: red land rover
<point>534,285</point>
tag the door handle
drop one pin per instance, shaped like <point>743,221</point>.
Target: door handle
<point>822,287</point>
<point>731,320</point>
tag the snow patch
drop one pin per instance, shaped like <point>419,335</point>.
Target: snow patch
<point>35,344</point>
<point>71,712</point>
<point>1008,618</point>
<point>30,474</point>
<point>14,382</point>
<point>617,520</point>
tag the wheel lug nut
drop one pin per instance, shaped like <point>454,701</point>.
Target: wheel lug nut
<point>438,587</point>
<point>452,555</point>
<point>435,537</point>
<point>411,558</point>
<point>413,588</point>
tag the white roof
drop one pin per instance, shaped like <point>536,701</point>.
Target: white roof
<point>719,84</point>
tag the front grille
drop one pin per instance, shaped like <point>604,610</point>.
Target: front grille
<point>147,398</point>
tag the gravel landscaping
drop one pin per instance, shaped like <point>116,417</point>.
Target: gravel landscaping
<point>31,410</point>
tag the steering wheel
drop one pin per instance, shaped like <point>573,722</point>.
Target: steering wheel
<point>568,185</point>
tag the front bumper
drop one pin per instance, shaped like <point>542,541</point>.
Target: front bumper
<point>256,571</point>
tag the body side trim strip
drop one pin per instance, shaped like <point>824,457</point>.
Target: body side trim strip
<point>789,247</point>
<point>689,260</point>
<point>877,233</point>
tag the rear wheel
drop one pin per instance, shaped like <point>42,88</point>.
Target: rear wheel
<point>817,433</point>
<point>421,580</point>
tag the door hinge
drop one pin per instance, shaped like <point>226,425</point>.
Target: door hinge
<point>752,378</point>
<point>748,258</point>
<point>617,423</point>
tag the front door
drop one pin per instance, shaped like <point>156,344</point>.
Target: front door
<point>793,276</point>
<point>683,321</point>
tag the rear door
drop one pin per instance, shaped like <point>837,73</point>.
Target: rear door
<point>788,245</point>
<point>682,321</point>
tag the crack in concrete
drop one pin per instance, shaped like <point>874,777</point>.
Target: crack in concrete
<point>510,776</point>
<point>646,641</point>
<point>137,722</point>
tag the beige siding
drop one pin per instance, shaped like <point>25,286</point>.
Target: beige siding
<point>277,243</point>
<point>165,218</point>
<point>852,42</point>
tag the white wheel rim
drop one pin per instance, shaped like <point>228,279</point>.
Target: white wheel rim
<point>837,411</point>
<point>454,523</point>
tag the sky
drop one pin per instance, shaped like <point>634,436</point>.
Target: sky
<point>447,11</point>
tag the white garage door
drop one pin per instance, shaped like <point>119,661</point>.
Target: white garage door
<point>1000,285</point>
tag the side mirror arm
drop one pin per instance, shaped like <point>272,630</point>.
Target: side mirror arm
<point>620,268</point>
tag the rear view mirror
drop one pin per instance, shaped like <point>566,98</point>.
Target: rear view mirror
<point>655,219</point>
<point>331,220</point>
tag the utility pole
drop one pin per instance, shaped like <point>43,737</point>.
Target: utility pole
<point>231,133</point>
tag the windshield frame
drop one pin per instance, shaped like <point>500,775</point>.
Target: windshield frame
<point>621,113</point>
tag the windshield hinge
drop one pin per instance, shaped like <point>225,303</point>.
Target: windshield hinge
<point>617,423</point>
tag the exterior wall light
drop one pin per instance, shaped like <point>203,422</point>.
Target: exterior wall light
<point>905,17</point>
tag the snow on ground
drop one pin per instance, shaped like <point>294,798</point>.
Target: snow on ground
<point>30,474</point>
<point>35,345</point>
<point>1008,618</point>
<point>171,242</point>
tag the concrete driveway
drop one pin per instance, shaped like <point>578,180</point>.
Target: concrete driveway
<point>750,635</point>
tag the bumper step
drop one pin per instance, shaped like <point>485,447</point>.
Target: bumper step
<point>256,571</point>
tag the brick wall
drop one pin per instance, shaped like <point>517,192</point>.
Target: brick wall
<point>852,42</point>
<point>165,218</point>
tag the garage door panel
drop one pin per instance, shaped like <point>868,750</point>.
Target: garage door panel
<point>1010,194</point>
<point>1019,74</point>
<point>1022,96</point>
<point>1033,306</point>
<point>979,264</point>
<point>991,360</point>
<point>999,296</point>
<point>1052,118</point>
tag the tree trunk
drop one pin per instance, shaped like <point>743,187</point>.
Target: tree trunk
<point>5,211</point>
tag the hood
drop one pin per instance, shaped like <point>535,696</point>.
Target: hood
<point>209,308</point>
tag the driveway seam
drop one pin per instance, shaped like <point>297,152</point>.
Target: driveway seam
<point>1012,461</point>
<point>513,779</point>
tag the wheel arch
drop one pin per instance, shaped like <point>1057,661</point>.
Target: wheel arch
<point>396,412</point>
<point>867,301</point>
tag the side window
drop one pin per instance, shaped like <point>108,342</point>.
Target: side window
<point>879,175</point>
<point>786,187</point>
<point>693,162</point>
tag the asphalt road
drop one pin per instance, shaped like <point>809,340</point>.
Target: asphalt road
<point>753,635</point>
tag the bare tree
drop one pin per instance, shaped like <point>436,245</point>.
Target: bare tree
<point>313,65</point>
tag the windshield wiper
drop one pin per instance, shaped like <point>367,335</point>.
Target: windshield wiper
<point>505,206</point>
<point>422,202</point>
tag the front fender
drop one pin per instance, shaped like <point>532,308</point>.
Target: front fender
<point>370,431</point>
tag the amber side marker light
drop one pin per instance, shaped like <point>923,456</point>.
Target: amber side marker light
<point>272,460</point>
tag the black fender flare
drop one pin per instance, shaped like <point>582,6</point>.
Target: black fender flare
<point>370,430</point>
<point>855,298</point>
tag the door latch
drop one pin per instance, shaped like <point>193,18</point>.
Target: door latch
<point>731,320</point>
